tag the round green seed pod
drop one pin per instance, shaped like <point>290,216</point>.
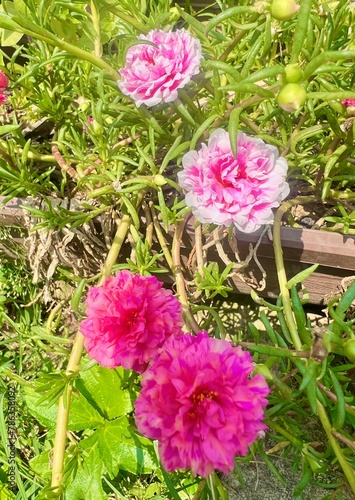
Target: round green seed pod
<point>293,73</point>
<point>159,180</point>
<point>291,97</point>
<point>282,10</point>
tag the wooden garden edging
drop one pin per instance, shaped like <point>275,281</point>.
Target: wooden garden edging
<point>334,252</point>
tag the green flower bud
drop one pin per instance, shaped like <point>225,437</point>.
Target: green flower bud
<point>159,180</point>
<point>349,350</point>
<point>84,105</point>
<point>293,73</point>
<point>283,9</point>
<point>291,97</point>
<point>97,127</point>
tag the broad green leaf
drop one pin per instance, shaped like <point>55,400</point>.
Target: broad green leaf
<point>9,38</point>
<point>121,448</point>
<point>40,464</point>
<point>102,387</point>
<point>81,416</point>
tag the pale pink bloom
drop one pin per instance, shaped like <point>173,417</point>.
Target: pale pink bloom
<point>225,190</point>
<point>129,318</point>
<point>200,402</point>
<point>153,72</point>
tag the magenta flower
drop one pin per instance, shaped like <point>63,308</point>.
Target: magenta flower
<point>154,71</point>
<point>4,83</point>
<point>348,102</point>
<point>129,318</point>
<point>199,401</point>
<point>225,190</point>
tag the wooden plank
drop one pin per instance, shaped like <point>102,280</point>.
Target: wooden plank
<point>301,247</point>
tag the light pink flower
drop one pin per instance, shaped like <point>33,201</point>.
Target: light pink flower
<point>153,72</point>
<point>199,401</point>
<point>225,190</point>
<point>129,318</point>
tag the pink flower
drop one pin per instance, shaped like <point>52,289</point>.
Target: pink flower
<point>129,318</point>
<point>154,71</point>
<point>225,190</point>
<point>4,81</point>
<point>348,102</point>
<point>199,401</point>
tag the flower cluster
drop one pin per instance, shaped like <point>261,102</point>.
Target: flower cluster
<point>241,190</point>
<point>154,71</point>
<point>199,401</point>
<point>129,318</point>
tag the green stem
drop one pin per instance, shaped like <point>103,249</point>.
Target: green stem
<point>179,278</point>
<point>280,267</point>
<point>160,237</point>
<point>347,469</point>
<point>95,16</point>
<point>73,366</point>
<point>48,37</point>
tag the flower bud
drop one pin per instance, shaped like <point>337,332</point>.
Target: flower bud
<point>84,105</point>
<point>349,350</point>
<point>291,97</point>
<point>97,127</point>
<point>350,107</point>
<point>293,73</point>
<point>282,10</point>
<point>159,180</point>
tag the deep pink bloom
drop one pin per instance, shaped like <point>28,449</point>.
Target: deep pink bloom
<point>199,401</point>
<point>4,81</point>
<point>225,190</point>
<point>129,318</point>
<point>153,72</point>
<point>348,102</point>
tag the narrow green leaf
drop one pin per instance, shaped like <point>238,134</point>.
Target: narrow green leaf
<point>233,128</point>
<point>225,69</point>
<point>310,373</point>
<point>7,129</point>
<point>76,298</point>
<point>302,276</point>
<point>227,14</point>
<point>131,210</point>
<point>202,129</point>
<point>340,405</point>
